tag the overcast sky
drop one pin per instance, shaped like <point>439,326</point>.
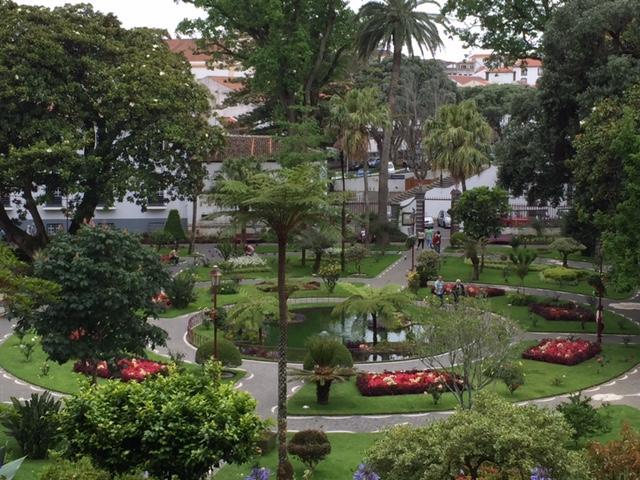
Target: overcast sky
<point>167,14</point>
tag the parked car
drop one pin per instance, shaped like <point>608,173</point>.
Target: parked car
<point>444,219</point>
<point>429,222</point>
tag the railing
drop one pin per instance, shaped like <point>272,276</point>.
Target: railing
<point>193,337</point>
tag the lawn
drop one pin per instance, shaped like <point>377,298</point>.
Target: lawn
<point>543,251</point>
<point>60,378</point>
<point>613,323</point>
<point>347,450</point>
<point>616,416</point>
<point>454,267</point>
<point>542,380</point>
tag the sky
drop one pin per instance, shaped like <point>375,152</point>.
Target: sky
<point>167,14</point>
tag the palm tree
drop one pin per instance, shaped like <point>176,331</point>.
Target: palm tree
<point>328,361</point>
<point>397,24</point>
<point>382,304</point>
<point>457,140</point>
<point>355,116</point>
<point>522,258</point>
<point>250,313</point>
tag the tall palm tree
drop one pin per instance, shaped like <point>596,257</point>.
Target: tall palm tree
<point>457,140</point>
<point>383,304</point>
<point>355,116</point>
<point>397,24</point>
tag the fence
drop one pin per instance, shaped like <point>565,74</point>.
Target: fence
<point>193,337</point>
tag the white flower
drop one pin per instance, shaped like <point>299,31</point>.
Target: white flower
<point>131,104</point>
<point>49,150</point>
<point>247,261</point>
<point>161,73</point>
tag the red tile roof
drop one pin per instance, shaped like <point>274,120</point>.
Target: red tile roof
<point>188,48</point>
<point>234,83</point>
<point>529,62</point>
<point>463,80</point>
<point>501,70</point>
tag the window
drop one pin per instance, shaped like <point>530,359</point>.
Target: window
<point>53,228</point>
<point>523,72</point>
<point>157,200</point>
<point>539,71</point>
<point>56,199</point>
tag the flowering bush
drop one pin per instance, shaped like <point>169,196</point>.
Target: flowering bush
<point>402,382</point>
<point>473,290</point>
<point>258,473</point>
<point>564,352</point>
<point>565,311</point>
<point>136,369</point>
<point>161,299</point>
<point>246,262</point>
<point>364,472</point>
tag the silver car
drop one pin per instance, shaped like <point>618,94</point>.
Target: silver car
<point>429,222</point>
<point>444,219</point>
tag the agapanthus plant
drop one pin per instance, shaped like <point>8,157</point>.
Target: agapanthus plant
<point>258,473</point>
<point>364,472</point>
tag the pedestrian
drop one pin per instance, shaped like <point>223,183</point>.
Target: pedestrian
<point>429,238</point>
<point>363,236</point>
<point>421,239</point>
<point>174,257</point>
<point>438,289</point>
<point>437,241</point>
<point>458,290</point>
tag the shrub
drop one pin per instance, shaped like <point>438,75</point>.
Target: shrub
<point>563,275</point>
<point>228,249</point>
<point>228,287</point>
<point>33,424</point>
<point>427,266</point>
<point>228,353</point>
<point>458,239</point>
<point>83,469</point>
<point>310,446</point>
<point>512,374</point>
<point>173,227</point>
<point>181,289</point>
<point>582,416</point>
<point>618,459</point>
<point>356,255</point>
<point>520,299</point>
<point>267,442</point>
<point>413,281</point>
<point>160,238</point>
<point>330,274</point>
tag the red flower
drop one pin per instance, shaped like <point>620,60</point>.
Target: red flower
<point>564,352</point>
<point>129,369</point>
<point>401,382</point>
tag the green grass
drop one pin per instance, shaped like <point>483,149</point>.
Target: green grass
<point>613,323</point>
<point>346,400</point>
<point>61,378</point>
<point>616,416</point>
<point>347,450</point>
<point>454,267</point>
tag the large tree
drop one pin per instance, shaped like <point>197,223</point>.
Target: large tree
<point>293,48</point>
<point>458,141</point>
<point>94,112</point>
<point>107,283</point>
<point>509,440</point>
<point>511,29</point>
<point>283,200</point>
<point>395,24</point>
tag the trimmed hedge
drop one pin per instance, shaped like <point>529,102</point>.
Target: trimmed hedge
<point>228,353</point>
<point>310,446</point>
<point>563,275</point>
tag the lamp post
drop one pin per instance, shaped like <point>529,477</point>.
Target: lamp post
<point>216,275</point>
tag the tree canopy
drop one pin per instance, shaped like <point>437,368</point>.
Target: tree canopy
<point>482,209</point>
<point>93,112</point>
<point>107,282</point>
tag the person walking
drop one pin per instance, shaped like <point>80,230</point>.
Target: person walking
<point>438,289</point>
<point>421,239</point>
<point>458,290</point>
<point>437,241</point>
<point>428,237</point>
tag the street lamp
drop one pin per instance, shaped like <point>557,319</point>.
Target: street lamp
<point>216,275</point>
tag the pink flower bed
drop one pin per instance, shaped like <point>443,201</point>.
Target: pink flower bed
<point>473,290</point>
<point>567,311</point>
<point>564,352</point>
<point>136,369</point>
<point>401,382</point>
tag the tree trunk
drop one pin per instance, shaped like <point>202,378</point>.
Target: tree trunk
<point>365,196</point>
<point>483,249</point>
<point>565,258</point>
<point>475,261</point>
<point>284,466</point>
<point>343,219</point>
<point>374,321</point>
<point>317,260</point>
<point>463,181</point>
<point>303,257</point>
<point>28,244</point>
<point>194,221</point>
<point>383,179</point>
<point>322,392</point>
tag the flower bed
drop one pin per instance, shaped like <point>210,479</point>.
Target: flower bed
<point>401,382</point>
<point>474,290</point>
<point>565,311</point>
<point>136,369</point>
<point>564,352</point>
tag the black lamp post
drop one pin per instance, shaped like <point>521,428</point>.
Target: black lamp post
<point>216,275</point>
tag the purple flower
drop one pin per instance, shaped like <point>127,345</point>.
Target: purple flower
<point>365,473</point>
<point>540,473</point>
<point>257,473</point>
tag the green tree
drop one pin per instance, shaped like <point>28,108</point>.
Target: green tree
<point>395,24</point>
<point>476,342</point>
<point>294,49</point>
<point>511,29</point>
<point>427,266</point>
<point>356,116</point>
<point>383,304</point>
<point>482,210</point>
<point>328,361</point>
<point>494,433</point>
<point>566,246</point>
<point>97,113</point>
<point>107,282</point>
<point>180,424</point>
<point>317,239</point>
<point>22,293</point>
<point>521,259</point>
<point>457,140</point>
<point>582,416</point>
<point>249,314</point>
<point>284,200</point>
<point>173,227</point>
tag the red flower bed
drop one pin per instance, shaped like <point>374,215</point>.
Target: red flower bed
<point>566,311</point>
<point>136,369</point>
<point>564,352</point>
<point>473,290</point>
<point>401,382</point>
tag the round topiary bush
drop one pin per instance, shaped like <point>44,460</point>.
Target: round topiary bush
<point>228,353</point>
<point>563,275</point>
<point>310,446</point>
